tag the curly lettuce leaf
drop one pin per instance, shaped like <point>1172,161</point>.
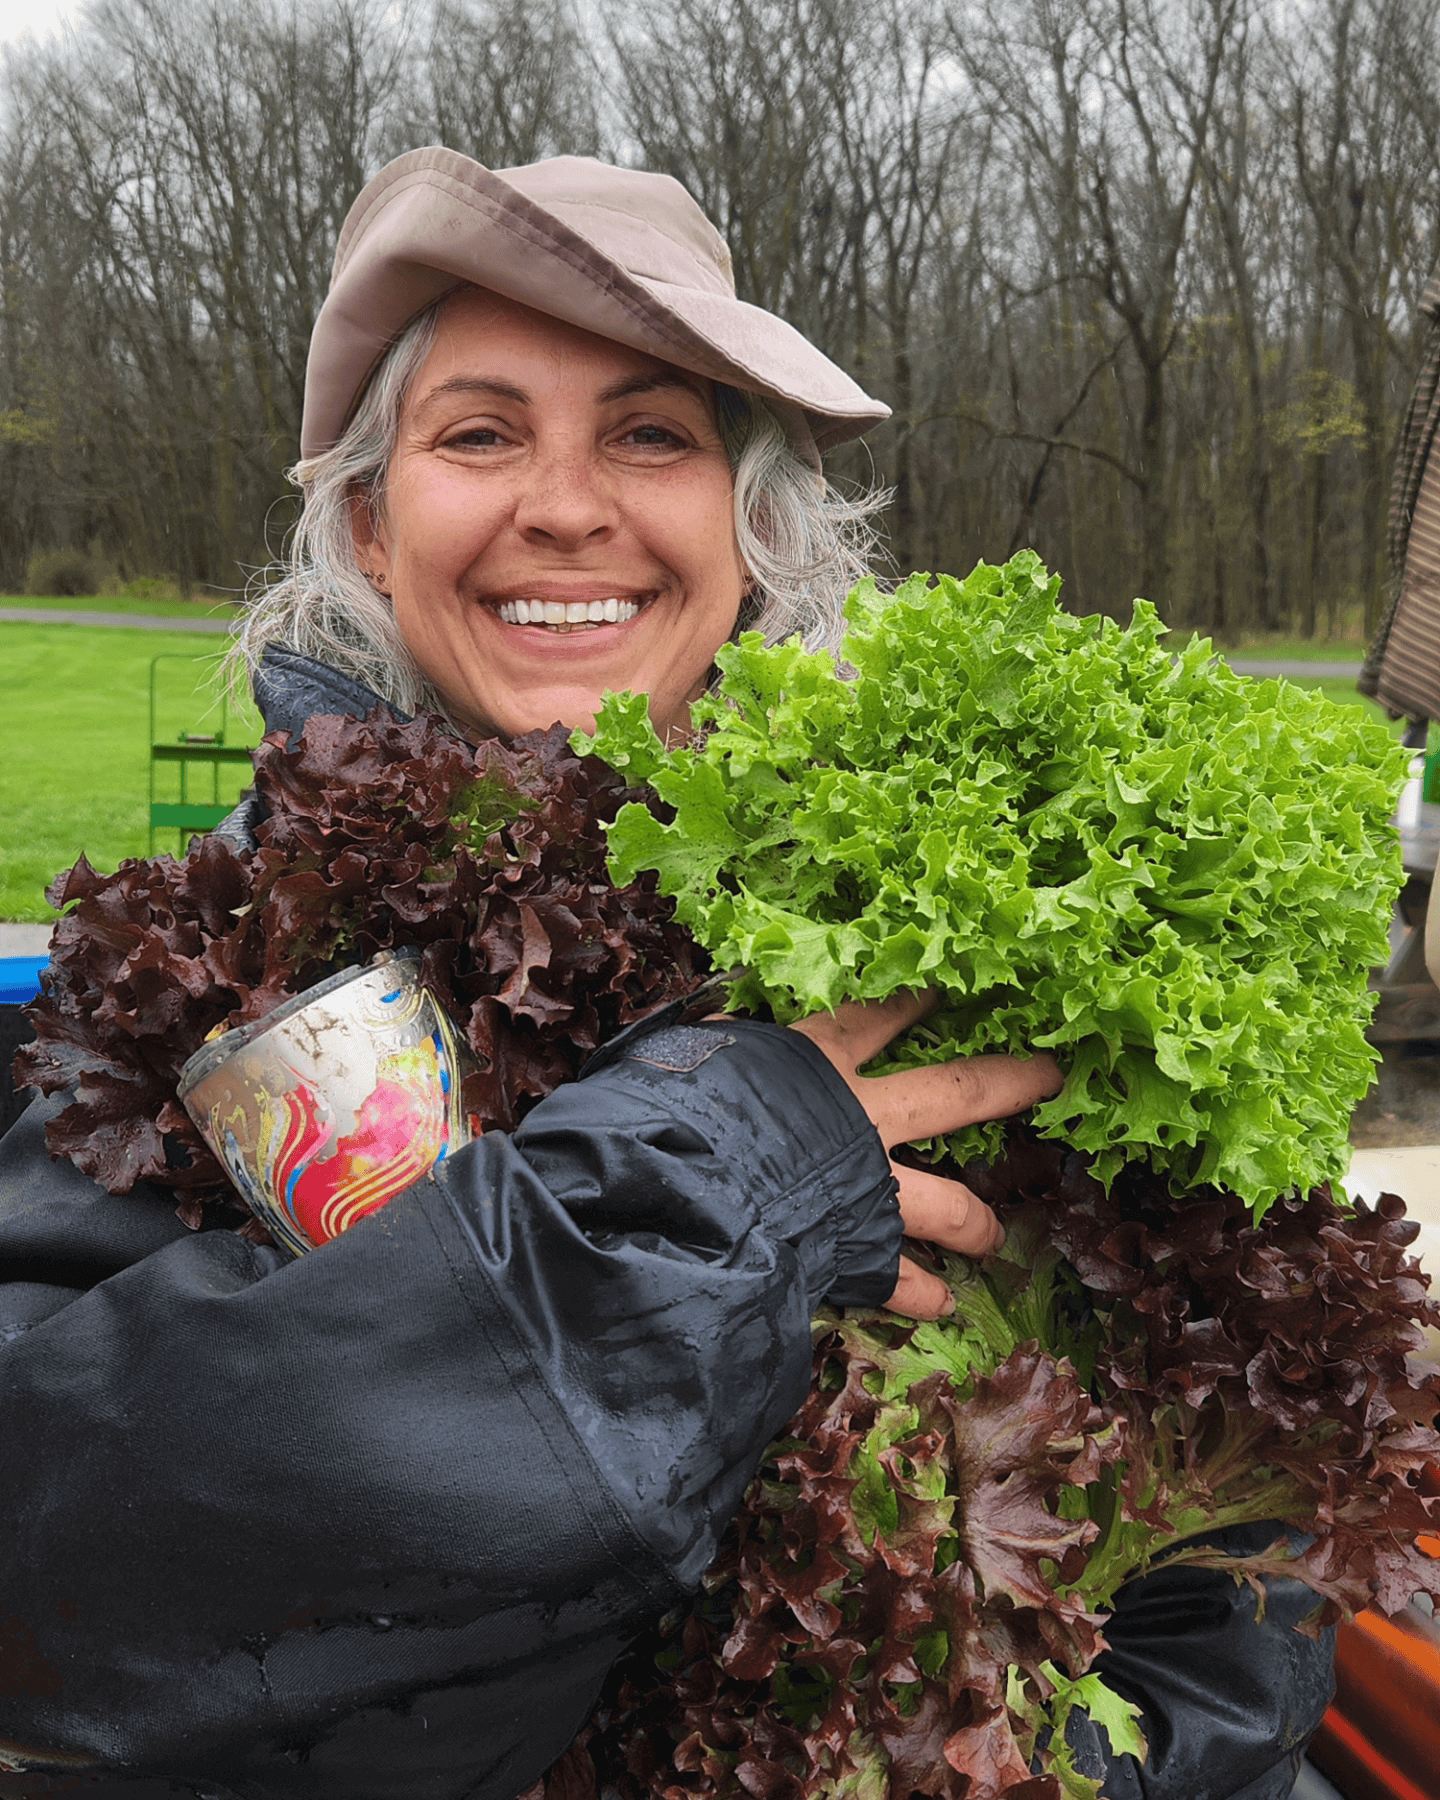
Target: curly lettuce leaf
<point>1174,877</point>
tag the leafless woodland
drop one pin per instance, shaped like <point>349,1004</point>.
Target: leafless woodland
<point>1138,277</point>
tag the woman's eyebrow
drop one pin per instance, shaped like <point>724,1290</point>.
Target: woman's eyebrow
<point>625,388</point>
<point>630,385</point>
<point>477,384</point>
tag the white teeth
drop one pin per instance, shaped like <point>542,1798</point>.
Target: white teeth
<point>566,613</point>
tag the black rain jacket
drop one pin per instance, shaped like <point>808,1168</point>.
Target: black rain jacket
<point>372,1524</point>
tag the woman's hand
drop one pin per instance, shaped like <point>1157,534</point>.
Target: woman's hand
<point>918,1103</point>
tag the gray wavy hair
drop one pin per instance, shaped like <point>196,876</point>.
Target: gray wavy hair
<point>804,544</point>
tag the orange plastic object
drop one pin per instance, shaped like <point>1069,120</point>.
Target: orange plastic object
<point>1430,1484</point>
<point>1380,1740</point>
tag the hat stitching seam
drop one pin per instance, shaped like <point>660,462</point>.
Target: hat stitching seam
<point>530,232</point>
<point>580,264</point>
<point>719,255</point>
<point>419,166</point>
<point>718,251</point>
<point>508,219</point>
<point>499,213</point>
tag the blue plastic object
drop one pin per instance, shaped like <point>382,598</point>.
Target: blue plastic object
<point>20,978</point>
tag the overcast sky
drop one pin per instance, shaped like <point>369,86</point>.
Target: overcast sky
<point>39,16</point>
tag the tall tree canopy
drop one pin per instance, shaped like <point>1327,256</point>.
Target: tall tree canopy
<point>1137,276</point>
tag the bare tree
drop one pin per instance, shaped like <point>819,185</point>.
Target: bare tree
<point>1356,123</point>
<point>503,83</point>
<point>1137,276</point>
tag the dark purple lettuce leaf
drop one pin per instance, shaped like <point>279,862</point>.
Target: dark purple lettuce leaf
<point>1240,1370</point>
<point>490,860</point>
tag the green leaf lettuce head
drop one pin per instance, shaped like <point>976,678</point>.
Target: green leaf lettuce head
<point>1174,877</point>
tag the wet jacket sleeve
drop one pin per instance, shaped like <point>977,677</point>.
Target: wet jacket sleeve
<point>375,1522</point>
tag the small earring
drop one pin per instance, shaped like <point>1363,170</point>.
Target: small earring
<point>377,584</point>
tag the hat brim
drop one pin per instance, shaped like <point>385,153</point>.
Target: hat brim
<point>434,219</point>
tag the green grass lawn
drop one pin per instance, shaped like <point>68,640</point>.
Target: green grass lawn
<point>125,603</point>
<point>1310,650</point>
<point>74,747</point>
<point>75,735</point>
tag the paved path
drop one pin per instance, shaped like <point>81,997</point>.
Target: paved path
<point>39,615</point>
<point>1342,671</point>
<point>24,940</point>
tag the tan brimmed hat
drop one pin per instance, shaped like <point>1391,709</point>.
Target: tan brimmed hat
<point>619,252</point>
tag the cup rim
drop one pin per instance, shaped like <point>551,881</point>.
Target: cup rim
<point>212,1055</point>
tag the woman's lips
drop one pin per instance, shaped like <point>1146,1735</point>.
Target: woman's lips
<point>567,615</point>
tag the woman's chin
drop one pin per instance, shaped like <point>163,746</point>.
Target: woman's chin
<point>523,679</point>
<point>514,713</point>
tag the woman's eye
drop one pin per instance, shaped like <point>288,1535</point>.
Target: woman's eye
<point>653,437</point>
<point>477,437</point>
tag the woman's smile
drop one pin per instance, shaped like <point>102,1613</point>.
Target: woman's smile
<point>558,521</point>
<point>561,611</point>
<point>568,615</point>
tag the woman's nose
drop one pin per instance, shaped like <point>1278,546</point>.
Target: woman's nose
<point>565,500</point>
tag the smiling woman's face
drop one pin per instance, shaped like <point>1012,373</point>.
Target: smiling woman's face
<point>558,520</point>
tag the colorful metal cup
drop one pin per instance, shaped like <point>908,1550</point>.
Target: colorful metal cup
<point>329,1106</point>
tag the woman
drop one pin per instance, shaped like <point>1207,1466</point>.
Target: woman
<point>376,1522</point>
